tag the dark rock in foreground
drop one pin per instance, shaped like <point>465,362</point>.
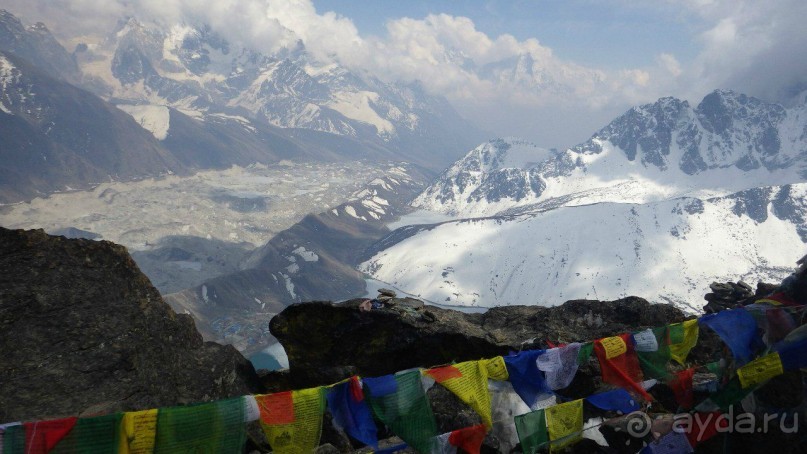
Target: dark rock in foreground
<point>326,342</point>
<point>83,331</point>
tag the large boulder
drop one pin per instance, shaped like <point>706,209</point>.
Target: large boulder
<point>326,342</point>
<point>83,331</point>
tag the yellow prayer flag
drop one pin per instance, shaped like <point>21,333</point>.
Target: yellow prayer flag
<point>565,424</point>
<point>760,370</point>
<point>680,351</point>
<point>469,382</point>
<point>292,421</point>
<point>614,346</point>
<point>138,431</point>
<point>496,368</point>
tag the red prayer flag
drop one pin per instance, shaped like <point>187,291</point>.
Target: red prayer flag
<point>619,363</point>
<point>705,427</point>
<point>441,374</point>
<point>469,439</point>
<point>43,436</point>
<point>682,387</point>
<point>276,408</point>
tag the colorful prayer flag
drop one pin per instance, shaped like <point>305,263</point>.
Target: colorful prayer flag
<point>218,426</point>
<point>654,363</point>
<point>738,329</point>
<point>99,434</point>
<point>351,413</point>
<point>400,402</point>
<point>671,443</point>
<point>468,439</point>
<point>565,423</point>
<point>468,381</point>
<point>615,400</point>
<point>682,387</point>
<point>138,430</point>
<point>527,380</point>
<point>619,364</point>
<point>559,365</point>
<point>793,354</point>
<point>13,438</point>
<point>42,436</point>
<point>532,431</point>
<point>683,336</point>
<point>292,420</point>
<point>760,370</point>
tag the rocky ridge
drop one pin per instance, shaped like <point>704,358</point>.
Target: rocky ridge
<point>84,332</point>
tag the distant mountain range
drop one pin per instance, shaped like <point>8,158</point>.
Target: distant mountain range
<point>729,142</point>
<point>193,103</point>
<point>651,205</point>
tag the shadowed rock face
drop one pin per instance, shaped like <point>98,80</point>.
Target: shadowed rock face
<point>83,331</point>
<point>326,342</point>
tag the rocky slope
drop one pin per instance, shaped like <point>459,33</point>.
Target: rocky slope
<point>83,332</point>
<point>314,259</point>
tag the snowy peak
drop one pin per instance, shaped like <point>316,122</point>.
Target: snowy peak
<point>36,45</point>
<point>190,68</point>
<point>726,129</point>
<point>496,174</point>
<point>383,197</point>
<point>658,151</point>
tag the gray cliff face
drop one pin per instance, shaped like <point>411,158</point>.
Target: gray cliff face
<point>726,129</point>
<point>84,332</point>
<point>37,45</point>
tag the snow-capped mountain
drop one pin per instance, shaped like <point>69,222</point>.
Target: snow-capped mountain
<point>195,71</point>
<point>648,206</point>
<point>666,251</point>
<point>728,143</point>
<point>57,136</point>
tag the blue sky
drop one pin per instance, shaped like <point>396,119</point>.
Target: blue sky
<point>592,32</point>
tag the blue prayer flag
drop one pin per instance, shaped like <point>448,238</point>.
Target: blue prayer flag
<point>527,380</point>
<point>381,386</point>
<point>738,329</point>
<point>793,354</point>
<point>616,400</point>
<point>350,412</point>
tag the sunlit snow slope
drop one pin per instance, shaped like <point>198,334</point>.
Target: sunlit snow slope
<point>659,203</point>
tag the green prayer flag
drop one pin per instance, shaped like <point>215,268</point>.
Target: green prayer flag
<point>405,409</point>
<point>585,353</point>
<point>732,393</point>
<point>654,364</point>
<point>532,432</point>
<point>98,434</point>
<point>211,427</point>
<point>676,333</point>
<point>14,440</point>
<point>716,369</point>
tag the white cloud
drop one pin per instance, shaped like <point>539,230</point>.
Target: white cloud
<point>755,47</point>
<point>759,48</point>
